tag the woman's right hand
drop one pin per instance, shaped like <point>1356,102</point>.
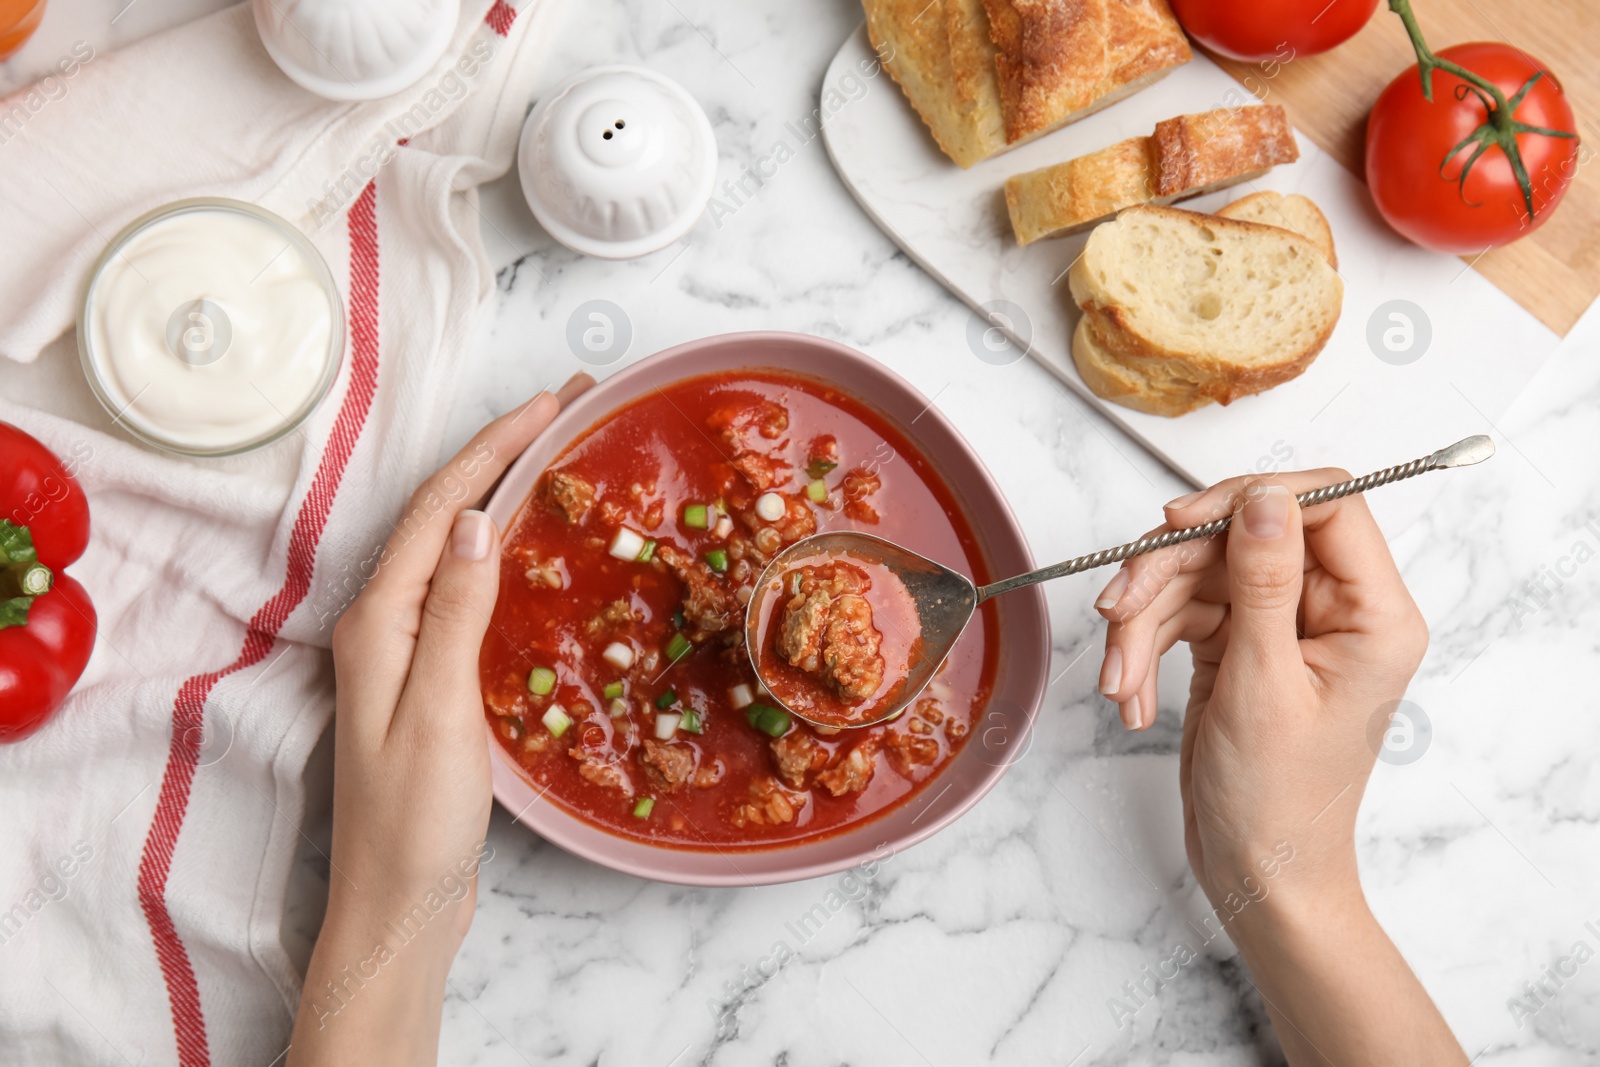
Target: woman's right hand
<point>1302,631</point>
<point>1303,637</point>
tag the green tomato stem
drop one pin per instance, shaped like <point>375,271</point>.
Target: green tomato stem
<point>1500,126</point>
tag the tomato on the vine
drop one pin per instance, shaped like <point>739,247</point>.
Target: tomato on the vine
<point>1280,30</point>
<point>1437,168</point>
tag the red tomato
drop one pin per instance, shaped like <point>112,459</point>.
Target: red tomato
<point>47,624</point>
<point>1258,30</point>
<point>1409,138</point>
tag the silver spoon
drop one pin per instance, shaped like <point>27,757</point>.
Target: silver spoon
<point>945,599</point>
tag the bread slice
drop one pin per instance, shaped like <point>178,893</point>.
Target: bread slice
<point>1293,212</point>
<point>1233,307</point>
<point>986,75</point>
<point>1124,383</point>
<point>1186,156</point>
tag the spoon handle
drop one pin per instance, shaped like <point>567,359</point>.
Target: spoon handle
<point>1463,453</point>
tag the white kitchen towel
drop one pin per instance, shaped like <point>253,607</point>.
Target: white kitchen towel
<point>150,827</point>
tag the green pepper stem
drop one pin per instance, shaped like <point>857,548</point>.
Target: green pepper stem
<point>24,579</point>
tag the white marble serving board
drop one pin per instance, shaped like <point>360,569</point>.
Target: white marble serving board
<point>1350,409</point>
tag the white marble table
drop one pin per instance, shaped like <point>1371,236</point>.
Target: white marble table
<point>1003,939</point>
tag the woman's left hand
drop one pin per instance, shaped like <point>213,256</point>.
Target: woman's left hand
<point>411,793</point>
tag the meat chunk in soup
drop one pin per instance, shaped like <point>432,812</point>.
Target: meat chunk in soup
<point>666,767</point>
<point>570,495</point>
<point>827,630</point>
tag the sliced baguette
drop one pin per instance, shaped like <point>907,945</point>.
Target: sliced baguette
<point>1187,156</point>
<point>1233,307</point>
<point>1122,383</point>
<point>1293,212</point>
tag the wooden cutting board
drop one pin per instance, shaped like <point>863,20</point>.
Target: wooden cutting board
<point>1553,272</point>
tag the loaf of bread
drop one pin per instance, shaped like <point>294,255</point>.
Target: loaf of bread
<point>1186,156</point>
<point>1293,212</point>
<point>1182,309</point>
<point>986,75</point>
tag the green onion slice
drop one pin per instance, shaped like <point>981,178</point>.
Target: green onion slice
<point>646,552</point>
<point>679,647</point>
<point>612,690</point>
<point>717,560</point>
<point>819,466</point>
<point>695,517</point>
<point>541,680</point>
<point>817,490</point>
<point>691,722</point>
<point>641,810</point>
<point>666,700</point>
<point>556,720</point>
<point>774,722</point>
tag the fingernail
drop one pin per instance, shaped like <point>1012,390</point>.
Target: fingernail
<point>1266,512</point>
<point>470,538</point>
<point>1113,590</point>
<point>1186,499</point>
<point>1130,712</point>
<point>1111,672</point>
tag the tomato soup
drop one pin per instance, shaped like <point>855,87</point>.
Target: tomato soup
<point>614,671</point>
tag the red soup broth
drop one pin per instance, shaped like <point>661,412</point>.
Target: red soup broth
<point>682,472</point>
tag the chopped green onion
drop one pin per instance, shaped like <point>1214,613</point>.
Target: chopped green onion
<point>679,647</point>
<point>819,466</point>
<point>817,490</point>
<point>646,552</point>
<point>618,655</point>
<point>694,517</point>
<point>618,707</point>
<point>678,620</point>
<point>541,680</point>
<point>667,725</point>
<point>774,722</point>
<point>612,690</point>
<point>666,700</point>
<point>556,720</point>
<point>641,810</point>
<point>691,722</point>
<point>721,506</point>
<point>794,583</point>
<point>717,560</point>
<point>740,696</point>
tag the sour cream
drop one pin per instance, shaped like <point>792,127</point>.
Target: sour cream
<point>210,327</point>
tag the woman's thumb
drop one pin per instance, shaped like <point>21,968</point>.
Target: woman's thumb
<point>1266,560</point>
<point>460,600</point>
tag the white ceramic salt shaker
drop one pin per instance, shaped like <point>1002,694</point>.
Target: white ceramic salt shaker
<point>617,162</point>
<point>356,49</point>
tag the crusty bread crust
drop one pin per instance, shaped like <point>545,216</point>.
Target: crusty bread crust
<point>1072,196</point>
<point>1187,156</point>
<point>1051,58</point>
<point>942,60</point>
<point>1116,381</point>
<point>1294,212</point>
<point>987,75</point>
<point>1199,151</point>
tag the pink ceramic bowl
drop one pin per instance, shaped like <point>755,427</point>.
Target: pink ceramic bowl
<point>998,737</point>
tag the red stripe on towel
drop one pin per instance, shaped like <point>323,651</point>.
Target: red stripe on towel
<point>500,17</point>
<point>188,712</point>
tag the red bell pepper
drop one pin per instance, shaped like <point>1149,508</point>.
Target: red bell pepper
<point>47,624</point>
